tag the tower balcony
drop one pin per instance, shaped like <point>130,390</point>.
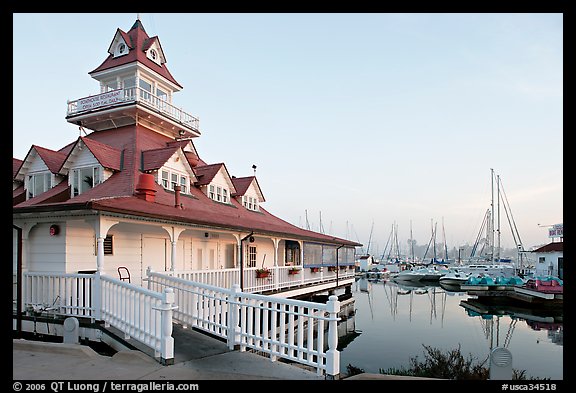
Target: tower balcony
<point>133,105</point>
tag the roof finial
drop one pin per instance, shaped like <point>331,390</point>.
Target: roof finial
<point>138,16</point>
<point>254,167</point>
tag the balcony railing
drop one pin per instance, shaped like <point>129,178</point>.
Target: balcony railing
<point>129,95</point>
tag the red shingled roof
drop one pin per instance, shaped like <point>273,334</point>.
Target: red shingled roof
<point>155,158</point>
<point>52,159</point>
<point>551,247</point>
<point>16,163</point>
<point>138,41</point>
<point>206,173</point>
<point>241,184</point>
<point>107,156</point>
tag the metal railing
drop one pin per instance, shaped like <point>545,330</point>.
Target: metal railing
<point>132,94</point>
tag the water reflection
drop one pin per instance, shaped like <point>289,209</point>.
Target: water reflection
<point>396,319</point>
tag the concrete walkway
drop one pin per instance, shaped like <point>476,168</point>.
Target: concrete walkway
<point>35,360</point>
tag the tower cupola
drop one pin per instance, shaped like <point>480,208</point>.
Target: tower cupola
<point>136,87</point>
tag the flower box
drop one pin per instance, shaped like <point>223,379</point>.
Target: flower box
<point>314,269</point>
<point>331,268</point>
<point>293,271</point>
<point>262,273</point>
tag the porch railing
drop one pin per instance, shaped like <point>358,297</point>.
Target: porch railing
<point>276,327</point>
<point>132,94</point>
<point>280,277</point>
<point>138,312</point>
<point>304,332</point>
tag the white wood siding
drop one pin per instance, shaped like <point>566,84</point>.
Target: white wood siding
<point>252,192</point>
<point>222,180</point>
<point>80,246</point>
<point>84,158</point>
<point>45,252</point>
<point>36,165</point>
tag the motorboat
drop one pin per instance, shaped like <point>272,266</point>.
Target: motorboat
<point>491,269</point>
<point>454,276</point>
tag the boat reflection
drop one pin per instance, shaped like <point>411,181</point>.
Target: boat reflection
<point>551,319</point>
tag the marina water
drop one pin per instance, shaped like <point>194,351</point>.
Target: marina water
<point>393,322</point>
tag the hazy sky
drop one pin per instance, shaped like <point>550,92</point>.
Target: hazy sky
<point>361,120</point>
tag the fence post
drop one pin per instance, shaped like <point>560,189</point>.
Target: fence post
<point>167,341</point>
<point>97,296</point>
<point>333,355</point>
<point>148,272</point>
<point>233,307</point>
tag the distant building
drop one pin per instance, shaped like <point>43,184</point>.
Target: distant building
<point>550,259</point>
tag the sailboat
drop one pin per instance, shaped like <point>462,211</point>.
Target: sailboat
<point>488,260</point>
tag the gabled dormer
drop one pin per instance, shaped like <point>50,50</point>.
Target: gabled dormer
<point>39,170</point>
<point>248,192</point>
<point>170,167</point>
<point>215,182</point>
<point>120,45</point>
<point>154,51</point>
<point>90,163</point>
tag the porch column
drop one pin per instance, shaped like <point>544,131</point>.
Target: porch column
<point>174,233</point>
<point>101,228</point>
<point>26,228</point>
<point>276,242</point>
<point>301,244</point>
<point>276,276</point>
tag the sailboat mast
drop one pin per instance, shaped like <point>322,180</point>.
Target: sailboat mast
<point>444,239</point>
<point>411,242</point>
<point>492,209</point>
<point>369,239</point>
<point>498,227</point>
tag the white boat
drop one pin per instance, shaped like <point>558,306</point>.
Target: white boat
<point>409,275</point>
<point>454,277</point>
<point>491,269</point>
<point>423,273</point>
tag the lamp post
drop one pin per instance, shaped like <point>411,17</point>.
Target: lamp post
<point>242,260</point>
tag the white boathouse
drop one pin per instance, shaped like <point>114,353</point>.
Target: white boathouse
<point>129,228</point>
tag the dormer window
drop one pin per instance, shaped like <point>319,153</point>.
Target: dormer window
<point>218,193</point>
<point>121,49</point>
<point>250,203</point>
<point>169,179</point>
<point>83,179</point>
<point>38,183</point>
<point>153,54</point>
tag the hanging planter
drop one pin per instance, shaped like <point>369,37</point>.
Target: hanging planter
<point>262,273</point>
<point>293,270</point>
<point>314,269</point>
<point>331,268</point>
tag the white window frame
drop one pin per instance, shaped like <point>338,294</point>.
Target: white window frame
<point>251,254</point>
<point>250,203</point>
<point>33,178</point>
<point>218,193</point>
<point>166,180</point>
<point>75,179</point>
